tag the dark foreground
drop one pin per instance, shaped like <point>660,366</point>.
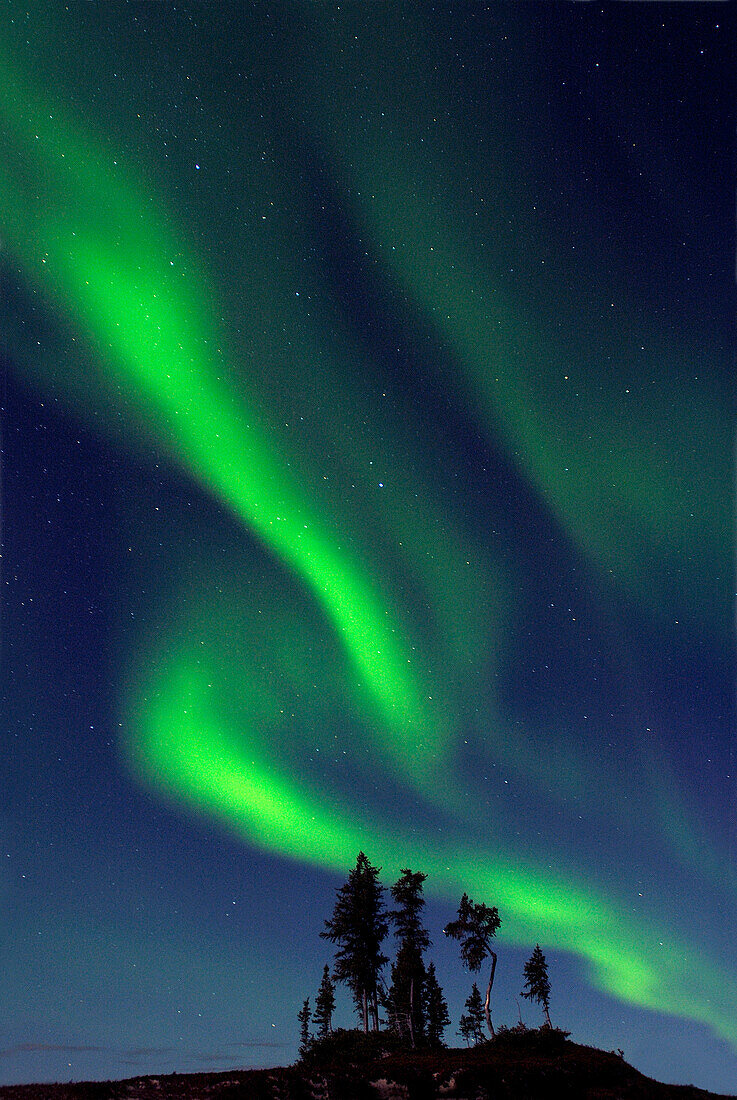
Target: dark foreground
<point>572,1072</point>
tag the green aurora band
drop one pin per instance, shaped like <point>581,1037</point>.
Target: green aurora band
<point>626,493</point>
<point>153,359</point>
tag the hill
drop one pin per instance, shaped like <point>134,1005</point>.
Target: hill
<point>517,1070</point>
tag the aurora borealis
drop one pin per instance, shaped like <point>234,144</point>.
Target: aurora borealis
<point>368,477</point>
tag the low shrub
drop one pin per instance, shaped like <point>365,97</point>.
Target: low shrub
<point>530,1038</point>
<point>351,1047</point>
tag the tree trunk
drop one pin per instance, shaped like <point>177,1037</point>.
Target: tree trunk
<point>487,1012</point>
<point>374,1011</point>
<point>547,1015</point>
<point>412,1011</point>
<point>365,1011</point>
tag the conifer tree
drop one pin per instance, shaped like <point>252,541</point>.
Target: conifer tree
<point>471,1024</point>
<point>436,1009</point>
<point>324,1005</point>
<point>537,984</point>
<point>359,926</point>
<point>391,1003</point>
<point>304,1031</point>
<point>405,1001</point>
<point>407,917</point>
<point>465,1028</point>
<point>475,928</point>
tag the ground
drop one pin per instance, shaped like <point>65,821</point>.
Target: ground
<point>513,1071</point>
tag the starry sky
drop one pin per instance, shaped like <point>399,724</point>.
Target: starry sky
<point>367,483</point>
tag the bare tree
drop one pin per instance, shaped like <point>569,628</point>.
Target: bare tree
<point>474,929</point>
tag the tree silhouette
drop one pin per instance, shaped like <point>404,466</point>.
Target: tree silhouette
<point>465,1028</point>
<point>537,982</point>
<point>358,926</point>
<point>475,928</point>
<point>436,1009</point>
<point>304,1031</point>
<point>324,1005</point>
<point>405,1000</point>
<point>407,917</point>
<point>471,1024</point>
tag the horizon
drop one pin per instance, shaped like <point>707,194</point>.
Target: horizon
<point>449,1049</point>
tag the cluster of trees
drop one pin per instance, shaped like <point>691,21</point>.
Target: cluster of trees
<point>413,1001</point>
<point>536,988</point>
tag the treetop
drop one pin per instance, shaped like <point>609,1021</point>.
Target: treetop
<point>474,928</point>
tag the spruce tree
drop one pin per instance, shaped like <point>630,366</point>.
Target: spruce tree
<point>324,1005</point>
<point>536,981</point>
<point>475,928</point>
<point>436,1009</point>
<point>472,1022</point>
<point>304,1031</point>
<point>407,917</point>
<point>405,1001</point>
<point>359,926</point>
<point>465,1028</point>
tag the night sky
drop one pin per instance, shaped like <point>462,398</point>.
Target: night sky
<point>367,483</point>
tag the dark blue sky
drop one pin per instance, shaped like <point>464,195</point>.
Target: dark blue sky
<point>367,481</point>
